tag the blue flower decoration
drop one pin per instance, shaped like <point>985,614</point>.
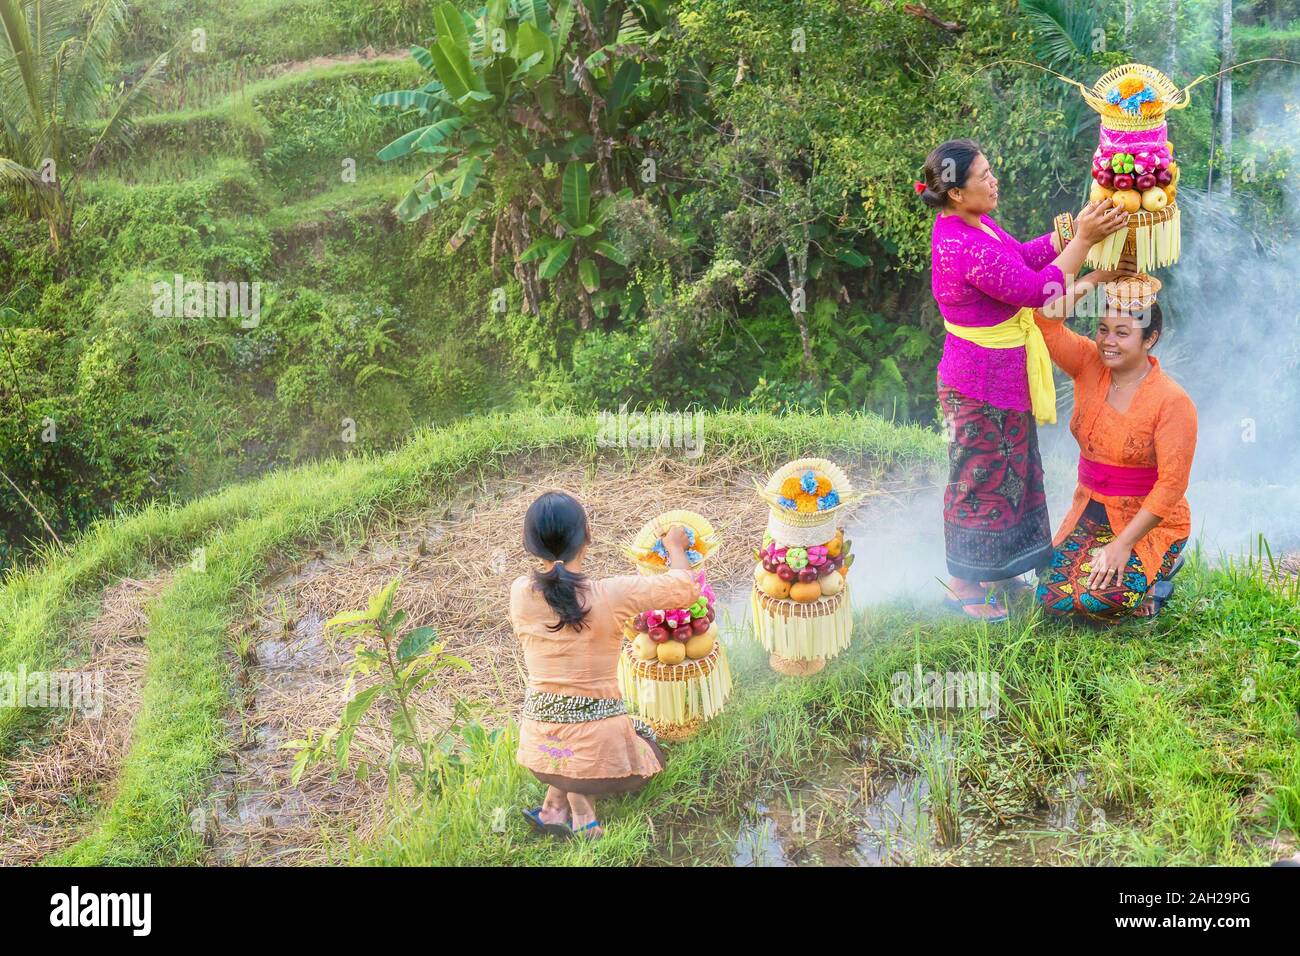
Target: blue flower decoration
<point>786,502</point>
<point>1112,97</point>
<point>694,556</point>
<point>828,500</point>
<point>809,482</point>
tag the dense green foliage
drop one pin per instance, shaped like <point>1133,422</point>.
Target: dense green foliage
<point>772,255</point>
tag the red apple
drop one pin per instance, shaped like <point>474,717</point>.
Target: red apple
<point>710,616</point>
<point>1145,182</point>
<point>659,634</point>
<point>807,574</point>
<point>683,634</point>
<point>1107,178</point>
<point>1164,177</point>
<point>1123,181</point>
<point>785,572</point>
<point>639,622</point>
<point>700,625</point>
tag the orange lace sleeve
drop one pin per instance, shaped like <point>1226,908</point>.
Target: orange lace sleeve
<point>1175,446</point>
<point>1071,351</point>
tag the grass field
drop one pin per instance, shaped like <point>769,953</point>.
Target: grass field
<point>1190,727</point>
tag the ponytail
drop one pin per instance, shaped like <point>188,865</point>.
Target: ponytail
<point>555,529</point>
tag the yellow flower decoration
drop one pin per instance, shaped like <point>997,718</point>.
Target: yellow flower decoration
<point>805,503</point>
<point>1151,108</point>
<point>790,487</point>
<point>823,485</point>
<point>1131,84</point>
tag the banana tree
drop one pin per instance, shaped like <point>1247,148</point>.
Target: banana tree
<point>579,238</point>
<point>521,86</point>
<point>56,91</point>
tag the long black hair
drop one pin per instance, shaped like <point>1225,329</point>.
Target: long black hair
<point>947,167</point>
<point>555,529</point>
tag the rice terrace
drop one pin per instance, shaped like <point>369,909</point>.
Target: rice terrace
<point>629,433</point>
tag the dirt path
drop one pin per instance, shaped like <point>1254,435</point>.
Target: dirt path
<point>49,794</point>
<point>456,570</point>
<point>365,55</point>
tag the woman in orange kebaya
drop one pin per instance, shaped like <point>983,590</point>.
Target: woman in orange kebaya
<point>1121,543</point>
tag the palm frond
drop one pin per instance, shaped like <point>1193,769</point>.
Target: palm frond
<point>118,129</point>
<point>86,71</point>
<point>14,174</point>
<point>1063,30</point>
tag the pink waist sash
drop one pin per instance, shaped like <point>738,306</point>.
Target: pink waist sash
<point>1117,480</point>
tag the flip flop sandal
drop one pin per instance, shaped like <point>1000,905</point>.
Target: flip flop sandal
<point>534,816</point>
<point>953,604</point>
<point>1163,590</point>
<point>585,831</point>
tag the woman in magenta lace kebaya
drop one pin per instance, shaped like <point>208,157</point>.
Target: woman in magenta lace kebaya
<point>986,284</point>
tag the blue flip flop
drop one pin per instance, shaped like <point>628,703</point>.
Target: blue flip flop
<point>584,831</point>
<point>955,605</point>
<point>534,816</point>
<point>1163,589</point>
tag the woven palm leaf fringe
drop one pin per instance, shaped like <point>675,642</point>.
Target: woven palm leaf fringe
<point>1153,245</point>
<point>698,695</point>
<point>802,636</point>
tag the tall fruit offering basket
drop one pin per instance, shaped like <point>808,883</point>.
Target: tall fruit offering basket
<point>1134,167</point>
<point>673,671</point>
<point>801,611</point>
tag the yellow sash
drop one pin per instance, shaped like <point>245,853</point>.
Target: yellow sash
<point>1020,329</point>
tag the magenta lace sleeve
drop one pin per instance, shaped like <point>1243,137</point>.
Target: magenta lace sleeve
<point>1037,253</point>
<point>998,271</point>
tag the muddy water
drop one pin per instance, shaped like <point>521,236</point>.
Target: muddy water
<point>854,814</point>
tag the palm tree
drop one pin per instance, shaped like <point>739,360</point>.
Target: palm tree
<point>56,93</point>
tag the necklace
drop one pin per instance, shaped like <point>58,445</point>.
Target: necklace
<point>1115,386</point>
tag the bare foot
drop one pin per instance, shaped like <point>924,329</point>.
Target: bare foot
<point>555,808</point>
<point>1146,609</point>
<point>1007,585</point>
<point>584,814</point>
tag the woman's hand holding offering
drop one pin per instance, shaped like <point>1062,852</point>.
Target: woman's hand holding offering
<point>675,543</point>
<point>1098,220</point>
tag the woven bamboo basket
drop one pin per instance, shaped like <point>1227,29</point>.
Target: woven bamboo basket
<point>1132,293</point>
<point>804,529</point>
<point>801,637</point>
<point>675,699</point>
<point>1151,240</point>
<point>641,548</point>
<point>1171,97</point>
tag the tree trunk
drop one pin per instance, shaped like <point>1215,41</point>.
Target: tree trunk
<point>797,261</point>
<point>1225,119</point>
<point>1173,35</point>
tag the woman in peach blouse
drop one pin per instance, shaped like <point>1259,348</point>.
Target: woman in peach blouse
<point>1122,541</point>
<point>575,734</point>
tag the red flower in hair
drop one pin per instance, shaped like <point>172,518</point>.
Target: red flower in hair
<point>919,187</point>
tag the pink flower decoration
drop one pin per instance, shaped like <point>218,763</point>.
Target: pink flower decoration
<point>654,618</point>
<point>818,555</point>
<point>679,616</point>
